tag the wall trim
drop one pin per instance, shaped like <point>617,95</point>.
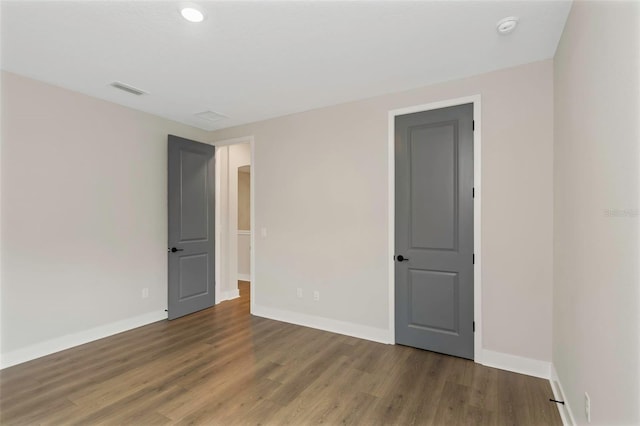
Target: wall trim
<point>380,335</point>
<point>244,277</point>
<point>228,295</point>
<point>558,393</point>
<point>252,225</point>
<point>516,364</point>
<point>220,243</point>
<point>476,100</point>
<point>58,344</point>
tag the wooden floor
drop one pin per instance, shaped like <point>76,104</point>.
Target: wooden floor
<point>223,366</point>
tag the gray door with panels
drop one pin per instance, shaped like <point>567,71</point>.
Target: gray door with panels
<point>191,199</point>
<point>434,230</point>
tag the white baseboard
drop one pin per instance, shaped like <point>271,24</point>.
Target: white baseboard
<point>244,277</point>
<point>517,364</point>
<point>70,340</point>
<point>228,295</point>
<point>380,335</point>
<point>558,393</point>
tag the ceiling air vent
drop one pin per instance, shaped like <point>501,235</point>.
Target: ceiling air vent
<point>210,116</point>
<point>128,89</point>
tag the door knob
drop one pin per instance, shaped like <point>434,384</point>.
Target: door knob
<point>173,249</point>
<point>401,258</point>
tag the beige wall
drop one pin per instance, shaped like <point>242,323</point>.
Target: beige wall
<point>244,256</point>
<point>244,200</point>
<point>596,295</point>
<point>321,182</point>
<point>84,209</point>
<point>84,212</point>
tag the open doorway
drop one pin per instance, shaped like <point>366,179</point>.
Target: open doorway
<point>244,228</point>
<point>244,231</point>
<point>234,218</point>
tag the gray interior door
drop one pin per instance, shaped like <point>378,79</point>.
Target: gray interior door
<point>434,230</point>
<point>191,226</point>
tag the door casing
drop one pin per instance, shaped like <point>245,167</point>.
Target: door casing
<point>477,210</point>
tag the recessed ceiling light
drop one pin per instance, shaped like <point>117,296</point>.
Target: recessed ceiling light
<point>192,14</point>
<point>507,25</point>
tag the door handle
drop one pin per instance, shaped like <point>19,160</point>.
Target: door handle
<point>173,249</point>
<point>401,258</point>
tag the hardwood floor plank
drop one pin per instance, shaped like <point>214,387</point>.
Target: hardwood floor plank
<point>323,394</point>
<point>452,403</point>
<point>221,366</point>
<point>253,406</point>
<point>351,410</point>
<point>118,388</point>
<point>484,388</point>
<point>218,391</point>
<point>477,416</point>
<point>134,405</point>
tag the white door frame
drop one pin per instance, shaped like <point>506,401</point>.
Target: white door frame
<point>222,232</point>
<point>477,211</point>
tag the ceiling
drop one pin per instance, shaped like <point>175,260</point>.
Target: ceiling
<point>253,60</point>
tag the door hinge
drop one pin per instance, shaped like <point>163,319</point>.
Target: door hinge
<point>473,258</point>
<point>473,125</point>
<point>473,192</point>
<point>474,326</point>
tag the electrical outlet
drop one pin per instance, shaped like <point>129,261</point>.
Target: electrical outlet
<point>145,293</point>
<point>299,292</point>
<point>316,295</point>
<point>263,232</point>
<point>587,407</point>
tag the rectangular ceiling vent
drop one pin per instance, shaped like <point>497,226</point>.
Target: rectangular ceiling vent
<point>210,116</point>
<point>128,89</point>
